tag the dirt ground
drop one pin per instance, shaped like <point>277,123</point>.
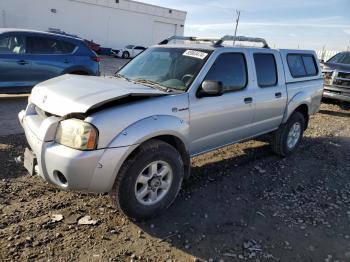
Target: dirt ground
<point>241,203</point>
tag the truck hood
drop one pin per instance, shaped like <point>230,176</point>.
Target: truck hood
<point>78,94</point>
<point>339,67</point>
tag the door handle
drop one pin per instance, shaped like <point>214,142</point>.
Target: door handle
<point>66,61</point>
<point>22,62</point>
<point>278,95</point>
<point>248,100</point>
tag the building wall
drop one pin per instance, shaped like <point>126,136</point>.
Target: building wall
<point>105,22</point>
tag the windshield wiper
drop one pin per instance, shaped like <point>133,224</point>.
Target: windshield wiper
<point>153,84</point>
<point>121,76</point>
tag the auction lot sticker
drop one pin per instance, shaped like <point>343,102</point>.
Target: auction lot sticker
<point>195,54</point>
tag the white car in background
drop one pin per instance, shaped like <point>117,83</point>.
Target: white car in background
<point>129,51</point>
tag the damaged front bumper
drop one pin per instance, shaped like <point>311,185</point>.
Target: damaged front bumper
<point>67,168</point>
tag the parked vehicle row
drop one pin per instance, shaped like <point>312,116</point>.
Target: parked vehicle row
<point>336,73</point>
<point>30,57</point>
<point>134,135</point>
<point>129,51</point>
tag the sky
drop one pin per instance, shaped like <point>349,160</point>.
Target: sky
<point>306,24</point>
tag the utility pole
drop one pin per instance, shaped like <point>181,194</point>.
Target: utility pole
<point>238,12</point>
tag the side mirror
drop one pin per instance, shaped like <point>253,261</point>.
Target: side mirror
<point>210,88</point>
<point>322,61</point>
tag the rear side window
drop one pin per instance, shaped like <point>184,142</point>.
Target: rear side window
<point>309,65</point>
<point>44,45</point>
<point>231,70</point>
<point>11,45</point>
<point>301,65</point>
<point>266,71</point>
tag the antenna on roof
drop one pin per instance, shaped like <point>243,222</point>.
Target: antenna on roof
<point>238,12</point>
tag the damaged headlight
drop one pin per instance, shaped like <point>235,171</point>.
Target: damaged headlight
<point>77,134</point>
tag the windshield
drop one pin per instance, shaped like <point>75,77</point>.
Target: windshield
<point>341,58</point>
<point>129,46</point>
<point>173,68</point>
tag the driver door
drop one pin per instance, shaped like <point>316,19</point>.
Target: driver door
<point>222,120</point>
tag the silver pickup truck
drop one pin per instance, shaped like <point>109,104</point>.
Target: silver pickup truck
<point>133,135</point>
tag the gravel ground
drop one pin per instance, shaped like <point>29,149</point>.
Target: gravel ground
<point>241,203</point>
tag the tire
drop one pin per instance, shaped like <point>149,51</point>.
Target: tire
<point>125,55</point>
<point>126,188</point>
<point>280,143</point>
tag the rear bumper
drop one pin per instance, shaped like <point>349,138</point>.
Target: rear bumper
<point>92,171</point>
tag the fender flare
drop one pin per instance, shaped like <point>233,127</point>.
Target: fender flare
<point>151,127</point>
<point>297,100</point>
<point>146,129</point>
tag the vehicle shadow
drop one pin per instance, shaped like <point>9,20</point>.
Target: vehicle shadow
<point>258,205</point>
<point>334,113</point>
<point>342,104</point>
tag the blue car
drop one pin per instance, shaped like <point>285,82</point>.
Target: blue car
<point>30,57</point>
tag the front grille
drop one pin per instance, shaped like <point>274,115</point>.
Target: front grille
<point>343,83</point>
<point>342,79</point>
<point>344,75</point>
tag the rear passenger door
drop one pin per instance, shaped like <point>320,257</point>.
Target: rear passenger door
<point>271,93</point>
<point>49,56</point>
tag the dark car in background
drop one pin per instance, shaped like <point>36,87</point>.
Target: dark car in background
<point>30,57</point>
<point>93,46</point>
<point>336,73</point>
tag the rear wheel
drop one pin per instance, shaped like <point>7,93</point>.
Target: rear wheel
<point>125,55</point>
<point>148,181</point>
<point>287,138</point>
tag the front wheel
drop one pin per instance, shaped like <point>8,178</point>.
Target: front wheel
<point>287,138</point>
<point>148,181</point>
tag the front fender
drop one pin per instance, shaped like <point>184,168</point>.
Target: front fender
<point>298,99</point>
<point>150,127</point>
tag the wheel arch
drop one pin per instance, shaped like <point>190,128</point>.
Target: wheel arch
<point>304,110</point>
<point>299,103</point>
<point>168,129</point>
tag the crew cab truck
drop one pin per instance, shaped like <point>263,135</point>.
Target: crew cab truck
<point>133,135</point>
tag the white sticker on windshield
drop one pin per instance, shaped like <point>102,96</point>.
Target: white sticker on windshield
<point>195,54</point>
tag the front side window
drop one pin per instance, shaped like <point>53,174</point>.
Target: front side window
<point>301,65</point>
<point>12,45</point>
<point>231,70</point>
<point>266,70</point>
<point>173,68</point>
<point>44,45</point>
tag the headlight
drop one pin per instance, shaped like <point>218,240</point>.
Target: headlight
<point>76,134</point>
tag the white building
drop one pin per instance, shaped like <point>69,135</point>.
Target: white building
<point>111,23</point>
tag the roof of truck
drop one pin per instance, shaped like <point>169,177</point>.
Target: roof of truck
<point>211,44</point>
<point>207,46</point>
